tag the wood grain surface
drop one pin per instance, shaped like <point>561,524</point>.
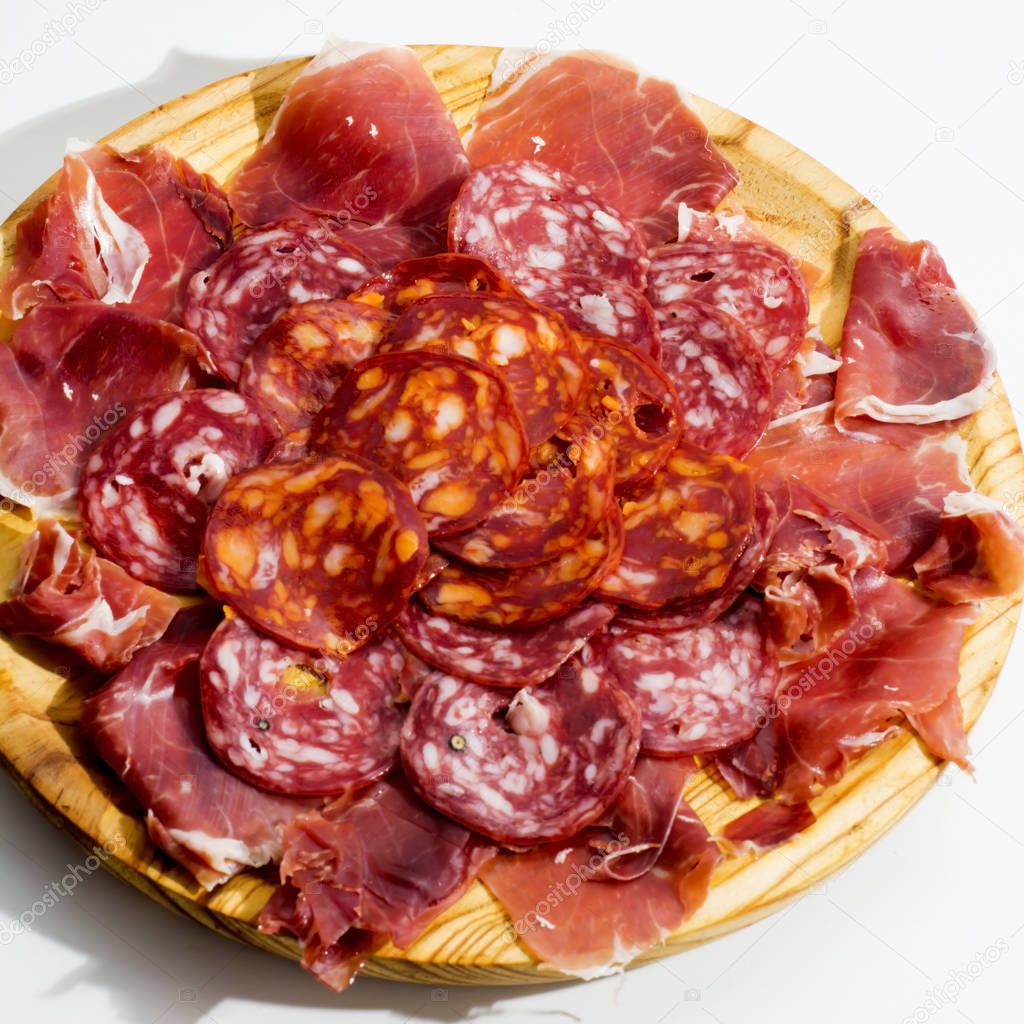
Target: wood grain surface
<point>796,201</point>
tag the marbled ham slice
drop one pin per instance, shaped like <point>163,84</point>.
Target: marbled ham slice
<point>766,826</point>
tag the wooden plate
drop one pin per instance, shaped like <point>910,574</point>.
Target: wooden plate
<point>797,202</point>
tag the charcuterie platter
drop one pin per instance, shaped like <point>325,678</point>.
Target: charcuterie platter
<point>757,816</point>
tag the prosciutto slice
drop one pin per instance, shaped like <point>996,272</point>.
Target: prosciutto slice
<point>912,350</point>
<point>766,826</point>
<point>630,137</point>
<point>125,228</point>
<point>83,602</point>
<point>357,875</point>
<point>362,135</point>
<point>70,373</point>
<point>147,726</point>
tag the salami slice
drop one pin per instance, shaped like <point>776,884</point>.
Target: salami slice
<point>530,349</point>
<point>318,553</point>
<point>630,397</point>
<point>685,533</point>
<point>296,363</point>
<point>757,283</point>
<point>552,510</point>
<point>444,425</point>
<point>301,725</point>
<point>526,768</point>
<point>446,272</point>
<point>701,610</point>
<point>499,657</point>
<point>290,447</point>
<point>520,598</point>
<point>148,485</point>
<point>720,375</point>
<point>595,305</point>
<point>522,215</point>
<point>698,689</point>
<point>230,302</point>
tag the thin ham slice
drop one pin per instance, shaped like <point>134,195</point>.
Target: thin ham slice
<point>362,135</point>
<point>912,350</point>
<point>942,731</point>
<point>83,602</point>
<point>630,137</point>
<point>125,228</point>
<point>766,826</point>
<point>359,874</point>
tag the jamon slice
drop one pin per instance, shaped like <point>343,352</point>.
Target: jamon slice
<point>362,135</point>
<point>628,136</point>
<point>120,227</point>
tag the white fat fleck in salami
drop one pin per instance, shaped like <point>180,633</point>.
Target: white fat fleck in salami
<point>698,689</point>
<point>147,487</point>
<point>498,657</point>
<point>534,767</point>
<point>523,216</point>
<point>297,723</point>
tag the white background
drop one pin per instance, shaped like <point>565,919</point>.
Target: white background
<point>919,105</point>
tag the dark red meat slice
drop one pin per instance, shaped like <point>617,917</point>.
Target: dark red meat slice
<point>147,487</point>
<point>129,228</point>
<point>596,305</point>
<point>522,216</point>
<point>362,134</point>
<point>754,282</point>
<point>698,689</point>
<point>317,553</point>
<point>629,136</point>
<point>809,380</point>
<point>942,731</point>
<point>70,373</point>
<point>684,535</point>
<point>268,268</point>
<point>444,425</point>
<point>388,244</point>
<point>294,366</point>
<point>766,826</point>
<point>525,768</point>
<point>721,377</point>
<point>297,724</point>
<point>499,657</point>
<point>82,601</point>
<point>531,350</point>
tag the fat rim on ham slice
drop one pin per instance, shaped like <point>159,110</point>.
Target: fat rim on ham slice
<point>525,768</point>
<point>300,725</point>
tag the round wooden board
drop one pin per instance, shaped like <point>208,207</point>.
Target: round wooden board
<point>805,208</point>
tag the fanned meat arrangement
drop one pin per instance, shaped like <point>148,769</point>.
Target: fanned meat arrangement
<point>480,555</point>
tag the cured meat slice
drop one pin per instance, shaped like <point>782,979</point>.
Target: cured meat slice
<point>299,725</point>
<point>698,689</point>
<point>766,826</point>
<point>520,598</point>
<point>289,447</point>
<point>630,137</point>
<point>499,657</point>
<point>531,767</point>
<point>899,657</point>
<point>360,873</point>
<point>294,366</point>
<point>809,380</point>
<point>388,244</point>
<point>148,485</point>
<point>912,350</point>
<point>531,350</point>
<point>523,215</point>
<point>707,608</point>
<point>362,134</point>
<point>70,373</point>
<point>444,425</point>
<point>596,305</point>
<point>942,731</point>
<point>268,268</point>
<point>551,511</point>
<point>721,377</point>
<point>630,397</point>
<point>317,553</point>
<point>125,228</point>
<point>683,536</point>
<point>751,281</point>
<point>446,272</point>
<point>146,725</point>
<point>82,602</point>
